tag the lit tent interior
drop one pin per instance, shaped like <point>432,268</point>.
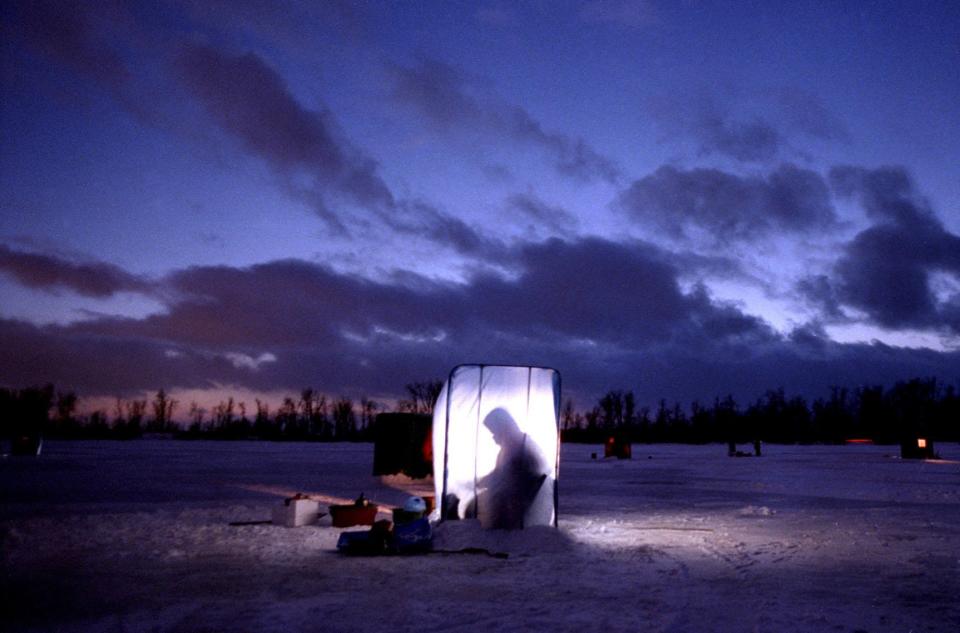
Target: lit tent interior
<point>496,445</point>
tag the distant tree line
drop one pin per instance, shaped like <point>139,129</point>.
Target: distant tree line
<point>309,417</point>
<point>921,406</point>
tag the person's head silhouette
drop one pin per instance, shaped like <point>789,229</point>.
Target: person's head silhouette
<point>504,428</point>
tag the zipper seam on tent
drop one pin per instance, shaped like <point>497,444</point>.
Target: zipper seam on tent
<point>476,444</point>
<point>446,449</point>
<point>526,422</point>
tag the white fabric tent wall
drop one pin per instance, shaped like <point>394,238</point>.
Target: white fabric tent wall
<point>496,445</point>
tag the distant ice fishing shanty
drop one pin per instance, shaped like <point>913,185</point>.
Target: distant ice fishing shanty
<point>496,445</point>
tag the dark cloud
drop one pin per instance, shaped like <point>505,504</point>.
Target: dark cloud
<point>744,137</point>
<point>887,194</point>
<point>536,210</point>
<point>105,364</point>
<point>448,99</point>
<point>295,25</point>
<point>285,303</point>
<point>97,41</point>
<point>819,291</point>
<point>64,33</point>
<point>561,297</point>
<point>749,126</point>
<point>47,272</point>
<point>438,91</point>
<point>422,220</point>
<point>885,271</point>
<point>249,100</point>
<point>606,314</point>
<point>699,266</point>
<point>809,115</point>
<point>806,364</point>
<point>591,289</point>
<point>728,206</point>
<point>754,140</point>
<point>810,336</point>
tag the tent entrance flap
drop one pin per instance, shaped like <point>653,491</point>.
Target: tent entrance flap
<point>497,444</point>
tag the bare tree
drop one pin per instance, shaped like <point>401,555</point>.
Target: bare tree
<point>135,410</point>
<point>368,411</point>
<point>197,414</point>
<point>344,419</point>
<point>223,415</point>
<point>306,404</point>
<point>163,407</point>
<point>423,396</point>
<point>261,423</point>
<point>118,414</point>
<point>570,419</point>
<point>66,407</point>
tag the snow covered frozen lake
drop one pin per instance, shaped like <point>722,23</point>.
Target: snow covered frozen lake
<point>135,536</point>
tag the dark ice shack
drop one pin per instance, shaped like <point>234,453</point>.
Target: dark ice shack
<point>403,444</point>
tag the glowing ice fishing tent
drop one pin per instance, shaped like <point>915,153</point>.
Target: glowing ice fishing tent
<point>496,445</point>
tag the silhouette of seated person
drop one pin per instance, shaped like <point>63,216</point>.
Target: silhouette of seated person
<point>508,491</point>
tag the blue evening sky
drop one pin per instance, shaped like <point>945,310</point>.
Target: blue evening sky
<point>738,195</point>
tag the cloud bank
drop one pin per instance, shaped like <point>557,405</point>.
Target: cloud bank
<point>47,272</point>
<point>728,206</point>
<point>606,314</point>
<point>887,270</point>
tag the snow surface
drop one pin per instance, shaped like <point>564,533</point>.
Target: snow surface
<point>135,536</point>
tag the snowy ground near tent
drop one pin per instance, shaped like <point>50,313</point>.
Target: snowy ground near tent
<point>135,536</point>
